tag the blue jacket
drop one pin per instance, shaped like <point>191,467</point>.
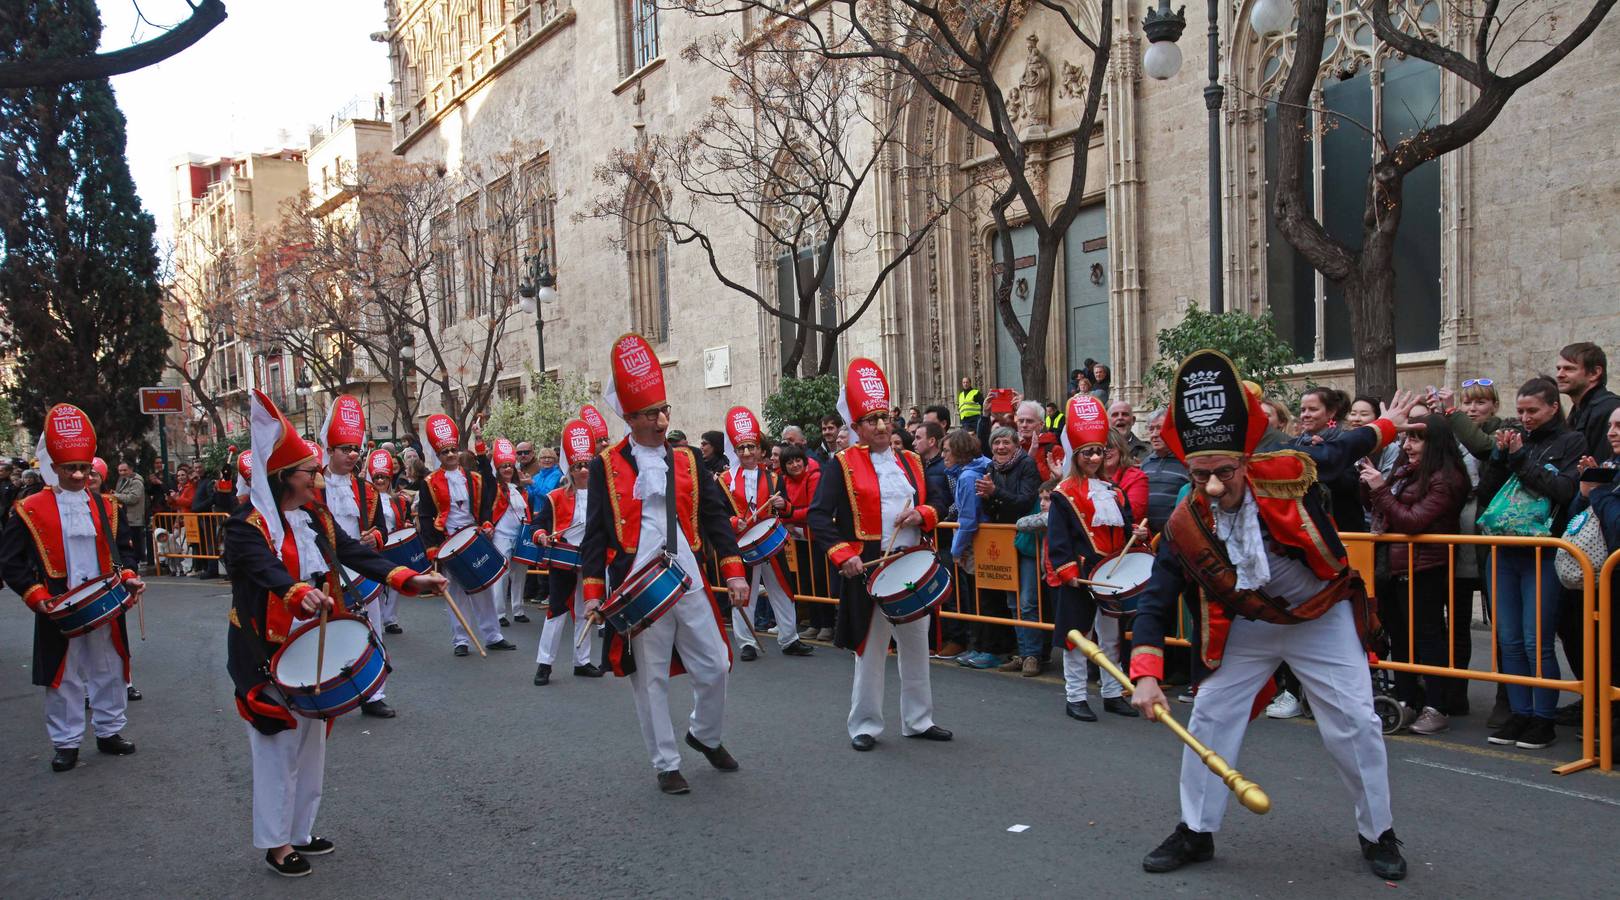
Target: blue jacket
<point>543,482</point>
<point>967,505</point>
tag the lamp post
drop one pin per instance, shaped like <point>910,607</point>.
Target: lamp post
<point>537,290</point>
<point>304,390</point>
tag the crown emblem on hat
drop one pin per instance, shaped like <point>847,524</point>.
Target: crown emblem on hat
<point>637,361</point>
<point>68,423</point>
<point>1200,379</point>
<point>580,443</point>
<point>443,430</point>
<point>871,382</point>
<point>350,415</point>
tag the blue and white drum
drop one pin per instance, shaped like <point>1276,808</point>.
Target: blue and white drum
<point>1119,580</point>
<point>354,668</point>
<point>472,559</point>
<point>563,556</point>
<point>648,593</point>
<point>909,585</point>
<point>89,606</point>
<point>403,547</point>
<point>526,551</point>
<point>361,590</point>
<point>764,540</point>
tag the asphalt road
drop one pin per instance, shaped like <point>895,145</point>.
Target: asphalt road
<point>486,785</point>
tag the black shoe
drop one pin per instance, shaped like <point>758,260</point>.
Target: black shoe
<point>718,756</point>
<point>393,628</point>
<point>863,742</point>
<point>1081,710</point>
<point>934,733</point>
<point>65,759</point>
<point>1538,735</point>
<point>317,846</point>
<point>117,745</point>
<point>293,865</point>
<point>377,709</point>
<point>542,675</point>
<point>588,671</point>
<point>798,648</point>
<point>673,783</point>
<point>1182,846</point>
<point>502,644</point>
<point>1385,855</point>
<point>1510,733</point>
<point>521,617</point>
<point>505,622</point>
<point>749,654</point>
<point>132,694</point>
<point>461,650</point>
<point>1568,715</point>
<point>1119,706</point>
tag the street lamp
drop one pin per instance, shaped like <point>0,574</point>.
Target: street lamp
<point>1162,60</point>
<point>535,291</point>
<point>303,390</point>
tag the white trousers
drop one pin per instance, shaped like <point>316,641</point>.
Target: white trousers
<point>506,595</point>
<point>787,622</point>
<point>288,770</point>
<point>1327,657</point>
<point>551,636</point>
<point>1106,630</point>
<point>93,668</point>
<point>374,615</point>
<point>916,696</point>
<point>389,607</point>
<point>479,609</point>
<point>691,628</point>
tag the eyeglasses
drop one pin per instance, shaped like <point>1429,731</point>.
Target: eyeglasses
<point>877,419</point>
<point>1224,473</point>
<point>309,472</point>
<point>75,467</point>
<point>576,467</point>
<point>653,413</point>
<point>525,453</point>
<point>346,448</point>
<point>1482,382</point>
<point>1091,452</point>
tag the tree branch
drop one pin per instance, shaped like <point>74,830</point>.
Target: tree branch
<point>32,73</point>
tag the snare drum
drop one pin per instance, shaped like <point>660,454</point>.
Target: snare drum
<point>89,606</point>
<point>764,540</point>
<point>562,556</point>
<point>361,590</point>
<point>355,667</point>
<point>648,593</point>
<point>1129,574</point>
<point>403,547</point>
<point>909,585</point>
<point>472,559</point>
<point>526,551</point>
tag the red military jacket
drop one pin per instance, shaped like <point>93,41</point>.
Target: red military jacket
<point>439,487</point>
<point>503,499</point>
<point>1104,539</point>
<point>43,521</point>
<point>866,499</point>
<point>742,504</point>
<point>364,500</point>
<point>562,509</point>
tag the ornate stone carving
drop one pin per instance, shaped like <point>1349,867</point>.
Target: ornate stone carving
<point>1032,99</point>
<point>1073,81</point>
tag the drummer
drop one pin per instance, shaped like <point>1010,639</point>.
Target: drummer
<point>244,478</point>
<point>562,517</point>
<point>896,504</point>
<point>598,426</point>
<point>55,541</point>
<point>626,530</point>
<point>753,492</point>
<point>353,505</point>
<point>453,499</point>
<point>1085,525</point>
<point>393,513</point>
<point>510,514</point>
<point>284,546</point>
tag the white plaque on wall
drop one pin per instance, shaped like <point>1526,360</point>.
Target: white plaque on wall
<point>717,367</point>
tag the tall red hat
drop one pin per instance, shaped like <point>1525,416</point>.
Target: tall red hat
<point>287,448</point>
<point>505,453</point>
<point>100,465</point>
<point>380,462</point>
<point>1085,422</point>
<point>442,434</point>
<point>345,423</point>
<point>1211,412</point>
<point>866,390</point>
<point>638,377</point>
<point>578,443</point>
<point>244,465</point>
<point>742,427</point>
<point>594,421</point>
<point>69,437</point>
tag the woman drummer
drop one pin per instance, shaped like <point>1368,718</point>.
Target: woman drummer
<point>510,514</point>
<point>393,513</point>
<point>1085,525</point>
<point>283,549</point>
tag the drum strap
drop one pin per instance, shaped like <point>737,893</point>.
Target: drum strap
<point>669,506</point>
<point>106,529</point>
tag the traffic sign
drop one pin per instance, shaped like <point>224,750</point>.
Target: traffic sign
<point>160,401</point>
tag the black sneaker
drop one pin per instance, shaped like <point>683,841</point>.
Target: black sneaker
<point>317,846</point>
<point>393,628</point>
<point>1568,715</point>
<point>1538,735</point>
<point>461,650</point>
<point>589,670</point>
<point>292,865</point>
<point>1182,846</point>
<point>1384,855</point>
<point>521,617</point>
<point>1509,734</point>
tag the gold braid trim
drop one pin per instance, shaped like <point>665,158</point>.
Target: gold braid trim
<point>1291,487</point>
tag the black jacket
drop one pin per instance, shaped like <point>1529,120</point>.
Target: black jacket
<point>1590,417</point>
<point>1017,489</point>
<point>1553,444</point>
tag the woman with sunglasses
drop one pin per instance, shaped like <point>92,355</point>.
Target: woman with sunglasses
<point>561,517</point>
<point>509,514</point>
<point>393,513</point>
<point>1087,522</point>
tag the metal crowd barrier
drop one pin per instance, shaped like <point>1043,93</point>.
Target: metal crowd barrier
<point>1360,547</point>
<point>187,535</point>
<point>1609,693</point>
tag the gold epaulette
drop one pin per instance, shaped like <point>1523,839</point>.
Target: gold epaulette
<point>1282,474</point>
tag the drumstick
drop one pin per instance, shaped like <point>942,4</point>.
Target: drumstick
<point>140,616</point>
<point>883,559</point>
<point>1102,584</point>
<point>893,537</point>
<point>584,632</point>
<point>320,651</point>
<point>1126,550</point>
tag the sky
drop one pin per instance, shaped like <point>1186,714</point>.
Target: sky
<point>259,80</point>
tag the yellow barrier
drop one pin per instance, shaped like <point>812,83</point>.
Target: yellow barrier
<point>1544,547</point>
<point>1606,649</point>
<point>187,535</point>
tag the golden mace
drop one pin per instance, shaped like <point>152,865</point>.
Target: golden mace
<point>1248,793</point>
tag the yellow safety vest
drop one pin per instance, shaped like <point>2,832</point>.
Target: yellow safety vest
<point>967,403</point>
<point>1054,422</point>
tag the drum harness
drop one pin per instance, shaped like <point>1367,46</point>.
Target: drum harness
<point>669,552</point>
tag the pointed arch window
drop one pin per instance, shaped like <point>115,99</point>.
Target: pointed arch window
<point>648,249</point>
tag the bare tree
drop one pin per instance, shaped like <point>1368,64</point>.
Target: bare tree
<point>205,15</point>
<point>938,48</point>
<point>202,314</point>
<point>1367,275</point>
<point>790,149</point>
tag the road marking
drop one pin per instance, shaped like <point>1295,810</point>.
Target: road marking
<point>1505,779</point>
<point>1018,829</point>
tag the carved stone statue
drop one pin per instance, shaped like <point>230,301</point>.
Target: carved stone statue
<point>1035,86</point>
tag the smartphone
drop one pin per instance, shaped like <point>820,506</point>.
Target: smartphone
<point>1599,475</point>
